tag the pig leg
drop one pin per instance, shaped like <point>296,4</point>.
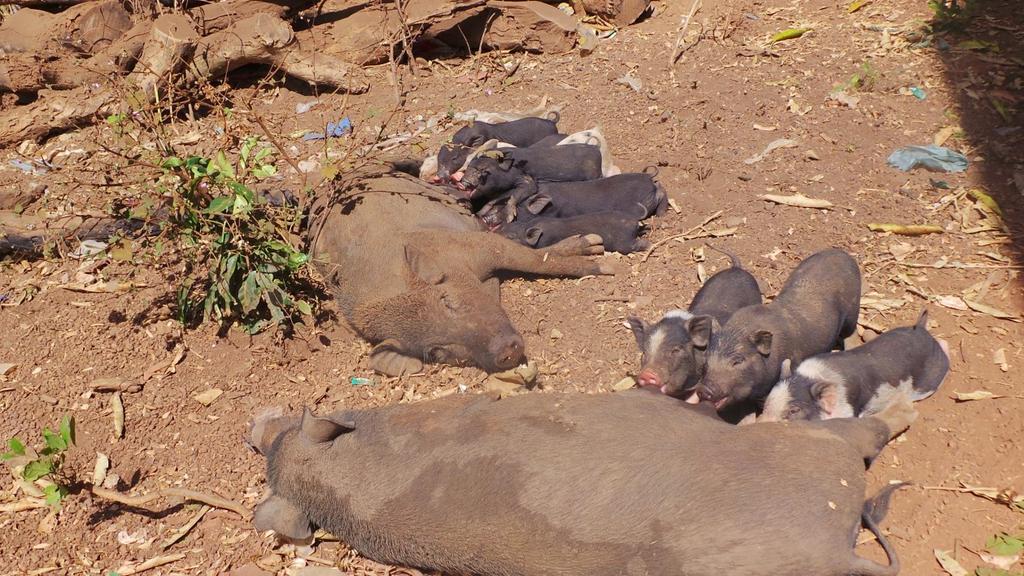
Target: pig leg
<point>281,516</point>
<point>485,253</point>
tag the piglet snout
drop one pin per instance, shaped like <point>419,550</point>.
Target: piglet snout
<point>508,351</point>
<point>456,176</point>
<point>648,378</point>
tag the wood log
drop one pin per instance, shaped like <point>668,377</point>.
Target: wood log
<point>265,39</point>
<point>170,46</point>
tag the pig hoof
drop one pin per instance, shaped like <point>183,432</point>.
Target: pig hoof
<point>898,416</point>
<point>391,363</point>
<point>585,245</point>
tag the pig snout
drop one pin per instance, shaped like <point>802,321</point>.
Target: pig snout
<point>649,378</point>
<point>710,393</point>
<point>508,351</point>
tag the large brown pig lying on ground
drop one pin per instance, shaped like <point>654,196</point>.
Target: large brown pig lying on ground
<point>631,483</point>
<point>414,274</point>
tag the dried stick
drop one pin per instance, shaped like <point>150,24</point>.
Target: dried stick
<point>129,569</point>
<point>141,501</point>
<point>683,235</point>
<point>682,32</point>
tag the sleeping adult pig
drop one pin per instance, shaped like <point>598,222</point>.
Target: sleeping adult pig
<point>815,311</point>
<point>578,484</point>
<point>619,232</point>
<point>414,274</point>
<point>674,348</point>
<point>521,132</point>
<point>905,361</point>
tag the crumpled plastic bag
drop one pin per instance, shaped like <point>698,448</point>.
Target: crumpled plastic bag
<point>931,157</point>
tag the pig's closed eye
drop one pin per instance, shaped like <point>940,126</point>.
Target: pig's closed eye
<point>737,361</point>
<point>793,411</point>
<point>676,350</point>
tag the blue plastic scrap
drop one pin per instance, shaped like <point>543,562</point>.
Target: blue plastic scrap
<point>334,130</point>
<point>931,157</point>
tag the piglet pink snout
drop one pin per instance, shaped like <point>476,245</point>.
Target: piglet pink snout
<point>648,378</point>
<point>457,176</point>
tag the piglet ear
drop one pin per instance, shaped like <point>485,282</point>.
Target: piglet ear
<point>281,516</point>
<point>321,430</point>
<point>505,163</point>
<point>639,328</point>
<point>700,328</point>
<point>537,203</point>
<point>787,368</point>
<point>922,320</point>
<point>533,235</point>
<point>762,340</point>
<point>827,396</point>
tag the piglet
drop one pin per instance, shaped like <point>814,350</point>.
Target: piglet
<point>815,311</point>
<point>635,194</point>
<point>523,132</point>
<point>674,348</point>
<point>620,232</point>
<point>863,381</point>
<point>490,174</point>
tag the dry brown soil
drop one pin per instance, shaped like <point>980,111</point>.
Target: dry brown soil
<point>724,101</point>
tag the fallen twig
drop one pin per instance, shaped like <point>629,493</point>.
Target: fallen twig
<point>141,501</point>
<point>22,505</point>
<point>129,569</point>
<point>682,32</point>
<point>184,530</point>
<point>689,232</point>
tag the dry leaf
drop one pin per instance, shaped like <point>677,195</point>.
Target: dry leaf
<point>951,566</point>
<point>952,302</point>
<point>702,274</point>
<point>624,384</point>
<point>881,304</point>
<point>798,200</point>
<point>986,309</point>
<point>986,200</point>
<point>556,334</point>
<point>118,407</point>
<point>999,359</point>
<point>976,395</point>
<point>208,397</point>
<point>773,145</point>
<point>901,250</point>
<point>906,229</point>
<point>99,470</point>
<point>1004,562</point>
<point>6,369</point>
<point>942,135</point>
<point>48,523</point>
<point>522,375</point>
<point>796,108</point>
<point>843,98</point>
<point>502,387</point>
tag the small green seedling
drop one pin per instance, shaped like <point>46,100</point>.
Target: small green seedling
<point>47,462</point>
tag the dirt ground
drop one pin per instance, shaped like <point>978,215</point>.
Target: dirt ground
<point>721,104</point>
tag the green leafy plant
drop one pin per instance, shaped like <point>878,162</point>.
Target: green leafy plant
<point>952,14</point>
<point>253,269</point>
<point>48,462</point>
<point>863,80</point>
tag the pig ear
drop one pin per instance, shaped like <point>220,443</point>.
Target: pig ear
<point>321,430</point>
<point>277,514</point>
<point>827,396</point>
<point>922,320</point>
<point>537,203</point>
<point>762,340</point>
<point>639,328</point>
<point>505,163</point>
<point>423,267</point>
<point>533,235</point>
<point>787,369</point>
<point>700,328</point>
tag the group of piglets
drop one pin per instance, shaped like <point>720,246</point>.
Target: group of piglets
<point>537,186</point>
<point>780,359</point>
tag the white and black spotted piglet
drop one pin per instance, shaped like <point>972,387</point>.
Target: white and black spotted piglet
<point>862,381</point>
